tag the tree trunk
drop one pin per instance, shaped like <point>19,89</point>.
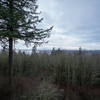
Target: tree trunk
<point>11,52</point>
<point>11,66</point>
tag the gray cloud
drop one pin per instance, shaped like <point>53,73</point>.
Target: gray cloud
<point>78,18</point>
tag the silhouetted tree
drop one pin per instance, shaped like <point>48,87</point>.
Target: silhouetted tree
<point>19,19</point>
<point>53,51</point>
<point>34,50</point>
<point>80,50</point>
<point>57,52</point>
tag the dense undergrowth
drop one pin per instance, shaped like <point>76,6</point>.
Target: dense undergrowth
<point>56,76</point>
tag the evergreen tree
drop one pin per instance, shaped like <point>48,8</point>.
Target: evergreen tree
<point>19,19</point>
<point>34,50</point>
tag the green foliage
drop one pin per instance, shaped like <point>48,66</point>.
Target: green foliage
<point>48,92</point>
<point>61,69</point>
<point>78,71</point>
<point>3,63</point>
<point>19,19</point>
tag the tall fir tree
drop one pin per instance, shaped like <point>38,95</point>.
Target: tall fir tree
<point>19,19</point>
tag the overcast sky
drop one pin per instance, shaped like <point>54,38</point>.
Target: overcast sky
<point>76,23</point>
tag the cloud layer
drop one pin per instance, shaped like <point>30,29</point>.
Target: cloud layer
<point>76,23</point>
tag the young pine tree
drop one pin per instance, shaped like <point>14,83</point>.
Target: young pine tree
<point>19,20</point>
